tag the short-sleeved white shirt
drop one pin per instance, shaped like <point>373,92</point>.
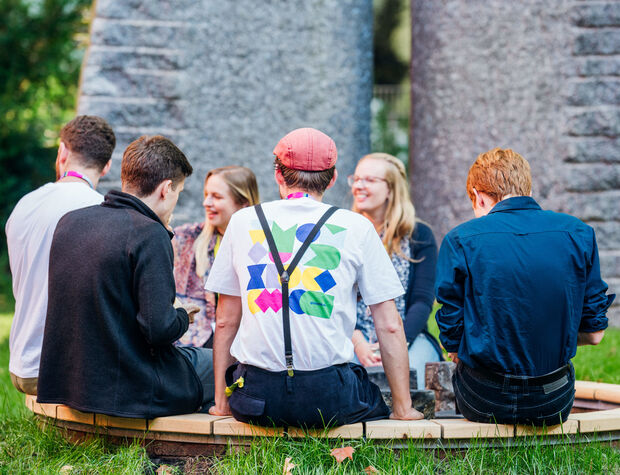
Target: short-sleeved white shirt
<point>29,232</point>
<point>346,254</point>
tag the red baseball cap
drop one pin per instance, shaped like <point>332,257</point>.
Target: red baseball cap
<point>306,149</point>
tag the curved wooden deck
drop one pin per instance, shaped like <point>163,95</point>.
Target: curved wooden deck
<point>193,434</point>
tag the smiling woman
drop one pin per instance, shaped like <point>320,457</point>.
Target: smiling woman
<point>381,193</point>
<point>226,190</point>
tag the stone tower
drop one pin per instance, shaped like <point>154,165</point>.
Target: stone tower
<point>226,80</point>
<point>540,77</point>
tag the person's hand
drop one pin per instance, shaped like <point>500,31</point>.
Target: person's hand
<point>410,414</point>
<point>191,309</point>
<point>367,353</point>
<point>454,357</point>
<point>221,408</point>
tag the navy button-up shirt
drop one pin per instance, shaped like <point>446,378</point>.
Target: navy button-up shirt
<point>517,286</point>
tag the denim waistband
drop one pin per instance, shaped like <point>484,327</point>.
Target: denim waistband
<point>499,378</point>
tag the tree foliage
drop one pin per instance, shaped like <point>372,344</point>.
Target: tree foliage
<point>39,68</point>
<point>388,67</point>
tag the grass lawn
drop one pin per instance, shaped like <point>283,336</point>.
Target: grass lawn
<point>25,447</point>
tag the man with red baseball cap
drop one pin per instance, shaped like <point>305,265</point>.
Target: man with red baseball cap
<point>287,273</point>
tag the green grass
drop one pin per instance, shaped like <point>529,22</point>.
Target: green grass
<point>312,456</point>
<point>28,447</point>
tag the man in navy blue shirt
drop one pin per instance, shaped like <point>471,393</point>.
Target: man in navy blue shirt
<point>521,289</point>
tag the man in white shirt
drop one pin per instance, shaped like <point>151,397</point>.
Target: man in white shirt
<point>309,381</point>
<point>84,156</point>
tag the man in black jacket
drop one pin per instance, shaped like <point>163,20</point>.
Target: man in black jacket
<point>111,323</point>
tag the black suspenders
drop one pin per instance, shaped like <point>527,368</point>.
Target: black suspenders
<point>286,273</point>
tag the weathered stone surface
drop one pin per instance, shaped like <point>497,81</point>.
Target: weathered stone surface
<point>607,234</point>
<point>610,264</point>
<point>146,114</point>
<point>596,14</point>
<point>134,84</point>
<point>230,79</point>
<point>599,206</point>
<point>602,121</point>
<point>591,92</point>
<point>597,42</point>
<point>163,10</point>
<point>484,74</point>
<point>438,378</point>
<point>111,33</point>
<point>127,58</point>
<point>592,177</point>
<point>423,400</point>
<point>597,66</point>
<point>377,376</point>
<point>597,149</point>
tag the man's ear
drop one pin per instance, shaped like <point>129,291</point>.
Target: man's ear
<point>478,200</point>
<point>163,189</point>
<point>278,176</point>
<point>333,180</point>
<point>63,154</point>
<point>106,168</point>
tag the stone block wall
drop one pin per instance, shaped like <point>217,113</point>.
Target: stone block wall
<point>226,80</point>
<point>539,76</point>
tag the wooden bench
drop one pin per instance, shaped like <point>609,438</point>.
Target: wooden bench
<point>214,431</point>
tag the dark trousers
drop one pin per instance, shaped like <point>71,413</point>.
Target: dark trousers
<point>484,396</point>
<point>333,396</point>
<point>202,361</point>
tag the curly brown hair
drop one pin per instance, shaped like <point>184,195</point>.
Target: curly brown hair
<point>90,139</point>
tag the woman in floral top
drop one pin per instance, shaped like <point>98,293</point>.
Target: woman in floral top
<point>381,193</point>
<point>227,190</point>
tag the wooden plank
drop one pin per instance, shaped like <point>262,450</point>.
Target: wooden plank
<point>585,389</point>
<point>104,420</point>
<point>598,421</point>
<point>197,423</point>
<point>464,429</point>
<point>230,426</point>
<point>608,393</point>
<point>29,401</point>
<point>45,409</point>
<point>66,413</point>
<point>349,431</point>
<point>571,426</point>
<point>392,429</point>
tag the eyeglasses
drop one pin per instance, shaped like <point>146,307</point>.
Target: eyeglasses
<point>364,180</point>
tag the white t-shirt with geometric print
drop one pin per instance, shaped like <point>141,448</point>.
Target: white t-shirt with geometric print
<point>347,254</point>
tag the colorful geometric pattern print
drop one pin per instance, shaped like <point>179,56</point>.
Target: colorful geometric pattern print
<point>311,280</point>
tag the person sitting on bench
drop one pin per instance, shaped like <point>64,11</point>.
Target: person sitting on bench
<point>287,273</point>
<point>521,289</point>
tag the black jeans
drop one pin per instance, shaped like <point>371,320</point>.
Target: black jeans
<point>482,396</point>
<point>333,396</point>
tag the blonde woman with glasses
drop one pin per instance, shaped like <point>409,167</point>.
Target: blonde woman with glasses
<point>226,190</point>
<point>381,193</point>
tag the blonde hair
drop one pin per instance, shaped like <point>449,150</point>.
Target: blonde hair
<point>242,184</point>
<point>498,173</point>
<point>400,214</point>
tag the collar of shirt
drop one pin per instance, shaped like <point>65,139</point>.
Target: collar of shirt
<point>516,202</point>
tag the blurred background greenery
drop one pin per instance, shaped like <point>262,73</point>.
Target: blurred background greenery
<point>41,48</point>
<point>42,44</point>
